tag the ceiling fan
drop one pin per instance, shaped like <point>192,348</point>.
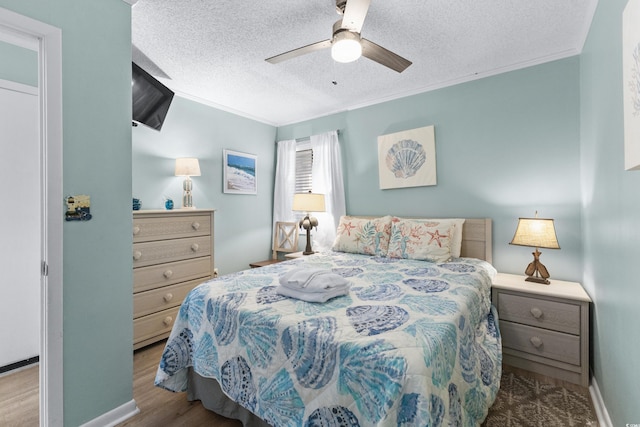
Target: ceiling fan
<point>346,43</point>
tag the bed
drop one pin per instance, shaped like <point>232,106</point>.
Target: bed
<point>415,342</point>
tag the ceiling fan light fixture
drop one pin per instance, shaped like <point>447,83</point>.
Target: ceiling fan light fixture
<point>346,47</point>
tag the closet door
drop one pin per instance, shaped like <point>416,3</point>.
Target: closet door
<point>20,229</point>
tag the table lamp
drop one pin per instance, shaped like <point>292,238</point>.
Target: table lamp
<point>308,202</point>
<point>187,167</point>
<point>537,233</point>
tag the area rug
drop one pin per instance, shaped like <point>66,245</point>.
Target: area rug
<point>524,401</point>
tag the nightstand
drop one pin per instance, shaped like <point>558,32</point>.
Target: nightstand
<point>544,328</point>
<point>294,255</point>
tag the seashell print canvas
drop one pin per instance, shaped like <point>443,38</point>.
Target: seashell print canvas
<point>407,158</point>
<point>631,84</point>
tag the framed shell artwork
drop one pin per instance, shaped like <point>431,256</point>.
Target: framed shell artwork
<point>631,84</point>
<point>407,158</point>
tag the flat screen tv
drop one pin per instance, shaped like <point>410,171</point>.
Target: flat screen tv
<point>151,99</point>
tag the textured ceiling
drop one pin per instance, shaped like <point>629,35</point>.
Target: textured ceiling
<point>214,50</point>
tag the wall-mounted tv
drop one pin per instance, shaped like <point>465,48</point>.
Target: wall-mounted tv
<point>151,99</point>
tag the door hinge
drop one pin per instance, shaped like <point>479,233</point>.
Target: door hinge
<point>45,268</point>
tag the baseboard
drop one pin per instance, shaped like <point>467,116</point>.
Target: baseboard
<point>115,416</point>
<point>598,404</point>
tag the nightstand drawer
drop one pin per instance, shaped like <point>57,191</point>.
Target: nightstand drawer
<point>552,345</point>
<point>558,316</point>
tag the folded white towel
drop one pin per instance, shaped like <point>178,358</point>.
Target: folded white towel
<point>300,277</point>
<point>312,284</point>
<point>312,296</point>
<point>312,280</point>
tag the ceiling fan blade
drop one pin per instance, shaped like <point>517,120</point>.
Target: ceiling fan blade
<point>383,56</point>
<point>354,13</point>
<point>300,51</point>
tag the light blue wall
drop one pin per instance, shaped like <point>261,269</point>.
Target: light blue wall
<point>23,66</point>
<point>506,146</point>
<point>96,84</point>
<point>191,129</point>
<point>611,202</point>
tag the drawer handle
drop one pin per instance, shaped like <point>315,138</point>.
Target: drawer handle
<point>536,312</point>
<point>136,230</point>
<point>167,274</point>
<point>168,320</point>
<point>195,225</point>
<point>137,255</point>
<point>536,342</point>
<point>195,247</point>
<point>168,297</point>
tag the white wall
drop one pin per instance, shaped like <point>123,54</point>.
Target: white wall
<point>19,224</point>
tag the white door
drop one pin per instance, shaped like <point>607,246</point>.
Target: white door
<point>31,198</point>
<point>20,220</point>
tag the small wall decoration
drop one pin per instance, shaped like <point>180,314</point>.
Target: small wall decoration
<point>240,173</point>
<point>407,158</point>
<point>78,208</point>
<point>631,83</point>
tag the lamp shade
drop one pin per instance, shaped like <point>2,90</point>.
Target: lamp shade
<point>536,232</point>
<point>187,166</point>
<point>346,47</point>
<point>308,202</point>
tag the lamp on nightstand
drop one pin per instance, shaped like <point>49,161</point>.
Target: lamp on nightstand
<point>308,202</point>
<point>187,167</point>
<point>537,233</point>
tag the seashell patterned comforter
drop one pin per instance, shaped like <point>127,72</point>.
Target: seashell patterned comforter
<point>413,344</point>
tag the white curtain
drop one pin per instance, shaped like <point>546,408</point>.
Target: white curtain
<point>327,179</point>
<point>285,183</point>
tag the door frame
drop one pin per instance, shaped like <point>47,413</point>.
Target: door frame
<point>49,47</point>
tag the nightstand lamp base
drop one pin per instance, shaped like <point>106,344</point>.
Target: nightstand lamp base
<point>536,271</point>
<point>541,280</point>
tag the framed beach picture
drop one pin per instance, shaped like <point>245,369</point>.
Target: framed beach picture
<point>240,172</point>
<point>407,158</point>
<point>631,83</point>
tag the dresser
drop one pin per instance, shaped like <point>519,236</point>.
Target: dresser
<point>172,253</point>
<point>544,328</point>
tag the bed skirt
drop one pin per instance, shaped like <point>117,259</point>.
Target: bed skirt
<point>208,391</point>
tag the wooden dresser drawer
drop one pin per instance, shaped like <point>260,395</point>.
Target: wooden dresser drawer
<point>550,344</point>
<point>170,227</point>
<point>558,316</point>
<point>162,298</point>
<point>147,327</point>
<point>150,253</point>
<point>155,276</point>
<point>172,253</point>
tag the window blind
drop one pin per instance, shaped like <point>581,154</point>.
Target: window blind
<point>304,164</point>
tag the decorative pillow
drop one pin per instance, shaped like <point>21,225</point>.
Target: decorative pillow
<point>456,241</point>
<point>427,240</point>
<point>369,236</point>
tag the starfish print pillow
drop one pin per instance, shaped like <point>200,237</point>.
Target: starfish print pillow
<point>426,240</point>
<point>368,236</point>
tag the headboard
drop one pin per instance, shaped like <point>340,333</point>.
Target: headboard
<point>476,238</point>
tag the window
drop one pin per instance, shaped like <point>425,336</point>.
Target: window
<point>304,164</point>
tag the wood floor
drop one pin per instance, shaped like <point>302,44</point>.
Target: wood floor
<point>158,407</point>
<point>19,399</point>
